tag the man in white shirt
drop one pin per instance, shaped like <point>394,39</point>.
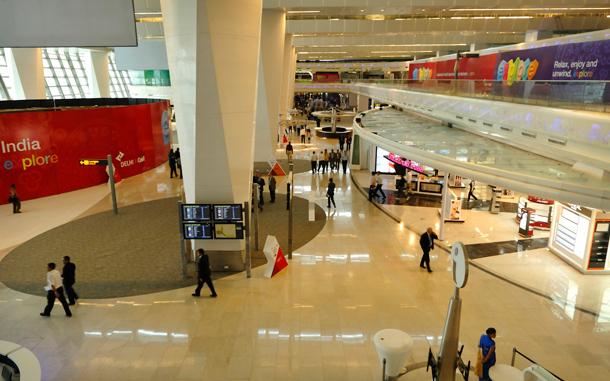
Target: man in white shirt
<point>344,160</point>
<point>54,290</point>
<point>314,162</point>
<point>379,182</point>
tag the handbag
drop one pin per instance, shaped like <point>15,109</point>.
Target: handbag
<point>10,199</point>
<point>478,368</point>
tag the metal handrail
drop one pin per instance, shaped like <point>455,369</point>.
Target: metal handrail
<point>512,363</point>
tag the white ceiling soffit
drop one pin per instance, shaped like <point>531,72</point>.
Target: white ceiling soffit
<point>431,26</point>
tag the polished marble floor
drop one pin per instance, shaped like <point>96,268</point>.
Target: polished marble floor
<point>316,319</point>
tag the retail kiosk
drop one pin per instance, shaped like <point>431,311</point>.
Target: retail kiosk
<point>580,236</point>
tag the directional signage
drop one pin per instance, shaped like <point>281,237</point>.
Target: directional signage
<point>93,162</point>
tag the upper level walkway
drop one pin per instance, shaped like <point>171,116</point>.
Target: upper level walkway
<point>575,95</point>
<point>473,156</point>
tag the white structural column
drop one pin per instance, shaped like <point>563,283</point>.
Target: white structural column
<point>26,65</point>
<point>99,76</point>
<point>363,103</point>
<point>269,84</point>
<point>293,69</point>
<point>286,78</point>
<point>213,53</point>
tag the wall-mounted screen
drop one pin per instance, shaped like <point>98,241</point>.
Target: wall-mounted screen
<point>198,231</point>
<point>74,23</point>
<point>227,212</point>
<point>229,231</point>
<point>196,212</point>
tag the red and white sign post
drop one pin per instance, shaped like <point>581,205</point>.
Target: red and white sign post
<point>275,258</point>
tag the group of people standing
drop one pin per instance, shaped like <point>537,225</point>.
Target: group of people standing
<point>260,182</point>
<point>332,158</point>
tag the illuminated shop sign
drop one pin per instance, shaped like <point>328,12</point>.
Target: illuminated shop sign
<point>405,163</point>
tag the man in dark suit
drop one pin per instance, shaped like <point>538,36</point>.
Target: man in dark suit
<point>205,274</point>
<point>427,243</point>
<point>68,274</point>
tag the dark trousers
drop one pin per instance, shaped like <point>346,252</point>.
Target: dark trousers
<point>261,200</point>
<point>425,258</point>
<point>72,295</point>
<point>313,166</point>
<point>172,172</point>
<point>16,205</point>
<point>272,193</point>
<point>349,146</point>
<point>207,280</point>
<point>51,301</point>
<point>470,194</point>
<point>341,145</point>
<point>302,138</point>
<point>371,191</point>
<point>344,162</point>
<point>378,188</point>
<point>331,197</point>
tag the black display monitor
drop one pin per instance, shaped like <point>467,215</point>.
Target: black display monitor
<point>198,231</point>
<point>229,231</point>
<point>227,212</point>
<point>196,212</point>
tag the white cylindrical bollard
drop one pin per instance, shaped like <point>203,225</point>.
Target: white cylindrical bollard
<point>394,346</point>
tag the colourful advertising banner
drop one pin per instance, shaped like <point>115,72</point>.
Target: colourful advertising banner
<point>326,77</point>
<point>422,71</point>
<point>41,151</point>
<point>581,61</point>
<point>470,68</point>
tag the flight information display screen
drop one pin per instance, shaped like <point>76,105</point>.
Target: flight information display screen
<point>196,212</point>
<point>229,231</point>
<point>228,212</point>
<point>198,231</point>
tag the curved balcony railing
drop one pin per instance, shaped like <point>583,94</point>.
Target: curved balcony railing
<point>577,95</point>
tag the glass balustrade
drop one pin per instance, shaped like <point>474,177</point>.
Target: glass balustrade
<point>577,95</point>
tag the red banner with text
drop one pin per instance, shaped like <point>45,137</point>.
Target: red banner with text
<point>40,151</point>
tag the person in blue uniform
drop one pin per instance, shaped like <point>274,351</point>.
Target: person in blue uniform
<point>488,345</point>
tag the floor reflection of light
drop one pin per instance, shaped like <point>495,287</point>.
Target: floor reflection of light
<point>119,333</point>
<point>151,333</point>
<point>336,258</point>
<point>307,335</point>
<point>406,257</point>
<point>96,304</point>
<point>604,310</point>
<point>168,301</point>
<point>93,333</point>
<point>359,258</point>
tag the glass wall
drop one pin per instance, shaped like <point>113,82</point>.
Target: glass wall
<point>119,79</point>
<point>4,76</point>
<point>64,74</point>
